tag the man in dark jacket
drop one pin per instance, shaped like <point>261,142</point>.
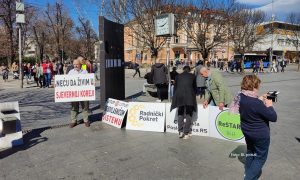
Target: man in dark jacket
<point>159,73</point>
<point>185,100</point>
<point>136,66</point>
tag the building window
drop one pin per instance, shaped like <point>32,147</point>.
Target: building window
<point>177,39</point>
<point>280,42</point>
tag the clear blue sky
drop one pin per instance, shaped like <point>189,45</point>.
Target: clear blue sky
<point>86,8</point>
<point>90,10</point>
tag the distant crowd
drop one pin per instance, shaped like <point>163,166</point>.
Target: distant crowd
<point>42,73</point>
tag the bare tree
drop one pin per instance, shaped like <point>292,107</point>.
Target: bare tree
<point>61,25</point>
<point>40,34</point>
<point>293,33</point>
<point>88,37</point>
<point>7,17</point>
<point>242,27</point>
<point>206,25</point>
<point>139,17</point>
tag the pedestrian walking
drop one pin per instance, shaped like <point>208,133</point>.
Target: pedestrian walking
<point>47,72</point>
<point>273,66</point>
<point>173,75</point>
<point>136,67</point>
<point>261,66</point>
<point>282,65</point>
<point>75,105</point>
<point>159,73</point>
<point>226,66</point>
<point>255,113</point>
<point>185,100</point>
<point>5,72</point>
<point>26,73</point>
<point>39,75</point>
<point>15,70</point>
<point>217,93</point>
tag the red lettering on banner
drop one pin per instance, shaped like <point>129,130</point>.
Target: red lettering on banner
<point>113,120</point>
<point>74,94</point>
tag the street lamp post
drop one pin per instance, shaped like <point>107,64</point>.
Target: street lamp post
<point>168,65</point>
<point>20,19</point>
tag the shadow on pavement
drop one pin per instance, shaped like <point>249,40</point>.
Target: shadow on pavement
<point>95,117</point>
<point>298,139</point>
<point>30,139</point>
<point>134,95</point>
<point>240,153</point>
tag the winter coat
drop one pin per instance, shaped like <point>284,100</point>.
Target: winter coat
<point>185,91</point>
<point>217,89</point>
<point>159,72</point>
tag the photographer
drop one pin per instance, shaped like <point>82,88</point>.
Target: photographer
<point>255,113</point>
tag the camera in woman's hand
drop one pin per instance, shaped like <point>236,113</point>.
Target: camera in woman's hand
<point>272,95</point>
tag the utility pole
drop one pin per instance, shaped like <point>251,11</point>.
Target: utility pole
<point>20,19</point>
<point>168,65</point>
<point>272,29</point>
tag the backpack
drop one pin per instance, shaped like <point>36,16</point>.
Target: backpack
<point>149,77</point>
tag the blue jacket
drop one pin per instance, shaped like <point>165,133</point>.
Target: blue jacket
<point>255,117</point>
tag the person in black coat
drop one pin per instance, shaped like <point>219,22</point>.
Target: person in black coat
<point>185,100</point>
<point>136,67</point>
<point>159,73</point>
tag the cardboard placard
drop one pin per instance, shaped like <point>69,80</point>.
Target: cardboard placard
<point>225,125</point>
<point>71,88</point>
<point>200,120</point>
<point>144,116</point>
<point>115,111</point>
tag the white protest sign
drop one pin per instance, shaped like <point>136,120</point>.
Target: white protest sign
<point>70,88</point>
<point>146,116</point>
<point>200,120</point>
<point>225,125</point>
<point>115,111</point>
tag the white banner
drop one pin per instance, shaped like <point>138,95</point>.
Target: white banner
<point>115,111</point>
<point>225,125</point>
<point>70,88</point>
<point>145,116</point>
<point>200,125</point>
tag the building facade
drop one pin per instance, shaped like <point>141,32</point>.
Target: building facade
<point>285,39</point>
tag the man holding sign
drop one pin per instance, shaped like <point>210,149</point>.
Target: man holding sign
<point>75,105</point>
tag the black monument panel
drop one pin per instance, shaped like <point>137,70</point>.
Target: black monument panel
<point>112,73</point>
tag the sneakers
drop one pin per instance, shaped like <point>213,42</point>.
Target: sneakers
<point>186,137</point>
<point>158,100</point>
<point>181,134</point>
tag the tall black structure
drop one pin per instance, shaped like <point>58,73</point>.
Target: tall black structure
<point>112,73</point>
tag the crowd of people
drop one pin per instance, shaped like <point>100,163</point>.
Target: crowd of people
<point>43,73</point>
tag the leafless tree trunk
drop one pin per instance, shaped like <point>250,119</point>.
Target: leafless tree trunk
<point>7,17</point>
<point>88,37</point>
<point>60,24</point>
<point>206,24</point>
<point>139,17</point>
